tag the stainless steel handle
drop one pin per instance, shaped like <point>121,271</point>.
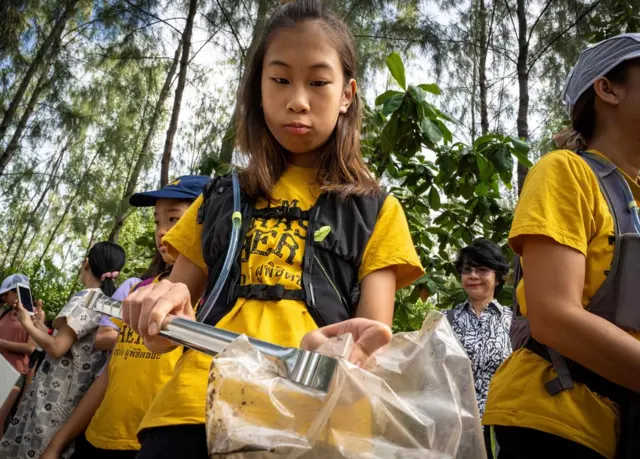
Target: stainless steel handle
<point>189,333</point>
<point>211,340</point>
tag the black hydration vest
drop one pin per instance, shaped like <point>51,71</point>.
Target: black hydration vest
<point>337,233</point>
<point>617,300</point>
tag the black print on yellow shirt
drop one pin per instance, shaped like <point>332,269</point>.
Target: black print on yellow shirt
<point>280,237</point>
<point>128,336</point>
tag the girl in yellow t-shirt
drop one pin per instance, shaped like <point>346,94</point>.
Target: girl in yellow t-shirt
<point>299,126</point>
<point>115,404</point>
<point>563,229</point>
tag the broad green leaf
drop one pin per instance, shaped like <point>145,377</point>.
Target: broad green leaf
<point>430,130</point>
<point>446,133</point>
<point>417,93</point>
<point>481,190</point>
<point>428,110</point>
<point>447,117</point>
<point>389,135</point>
<point>392,104</point>
<point>382,98</point>
<point>432,88</point>
<point>520,145</point>
<point>396,67</point>
<point>522,157</point>
<point>483,140</point>
<point>484,166</point>
<point>434,198</point>
<point>467,237</point>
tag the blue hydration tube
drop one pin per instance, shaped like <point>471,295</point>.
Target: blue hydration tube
<point>236,221</point>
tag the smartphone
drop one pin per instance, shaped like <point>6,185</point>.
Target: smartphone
<point>24,293</point>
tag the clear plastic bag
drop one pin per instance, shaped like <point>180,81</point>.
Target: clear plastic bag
<point>413,398</point>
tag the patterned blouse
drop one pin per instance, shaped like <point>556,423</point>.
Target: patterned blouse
<point>57,387</point>
<point>486,340</point>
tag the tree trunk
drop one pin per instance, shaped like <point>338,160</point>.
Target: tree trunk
<point>67,208</point>
<point>523,85</point>
<point>12,147</point>
<point>229,139</point>
<point>144,150</point>
<point>41,199</point>
<point>53,37</point>
<point>482,67</point>
<point>177,101</point>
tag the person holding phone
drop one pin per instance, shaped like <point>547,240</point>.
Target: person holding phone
<point>72,360</point>
<point>15,343</point>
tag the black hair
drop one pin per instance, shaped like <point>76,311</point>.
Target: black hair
<point>583,115</point>
<point>106,257</point>
<point>156,267</point>
<point>485,253</point>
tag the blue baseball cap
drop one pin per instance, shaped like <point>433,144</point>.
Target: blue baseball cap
<point>187,187</point>
<point>11,282</point>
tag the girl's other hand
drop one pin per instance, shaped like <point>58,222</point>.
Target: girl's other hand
<point>368,336</point>
<point>148,308</point>
<point>23,314</point>
<point>38,314</point>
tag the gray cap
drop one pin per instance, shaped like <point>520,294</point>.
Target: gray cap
<point>596,61</point>
<point>11,282</point>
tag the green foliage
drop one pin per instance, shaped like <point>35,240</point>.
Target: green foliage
<point>451,192</point>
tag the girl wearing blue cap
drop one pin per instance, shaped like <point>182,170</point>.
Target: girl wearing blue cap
<point>569,391</point>
<point>114,406</point>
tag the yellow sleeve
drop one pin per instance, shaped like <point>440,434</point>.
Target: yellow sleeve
<point>390,245</point>
<point>185,238</point>
<point>557,201</point>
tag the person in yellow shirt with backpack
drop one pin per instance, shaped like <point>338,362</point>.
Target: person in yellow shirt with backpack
<point>571,389</point>
<point>320,242</point>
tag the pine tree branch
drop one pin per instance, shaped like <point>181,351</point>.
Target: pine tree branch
<point>513,24</point>
<point>561,34</point>
<point>535,23</point>
<point>233,30</point>
<point>150,14</point>
<point>501,51</point>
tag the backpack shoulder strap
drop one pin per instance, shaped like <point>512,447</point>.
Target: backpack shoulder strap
<point>517,276</point>
<point>615,190</point>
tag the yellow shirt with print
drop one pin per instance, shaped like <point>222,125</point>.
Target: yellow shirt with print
<point>275,251</point>
<point>136,375</point>
<point>561,199</point>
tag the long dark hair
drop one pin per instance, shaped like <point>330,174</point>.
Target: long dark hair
<point>340,165</point>
<point>106,257</point>
<point>156,267</point>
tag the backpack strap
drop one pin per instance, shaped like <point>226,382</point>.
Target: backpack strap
<point>517,276</point>
<point>616,192</point>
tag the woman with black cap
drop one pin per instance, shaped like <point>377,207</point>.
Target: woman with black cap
<point>553,397</point>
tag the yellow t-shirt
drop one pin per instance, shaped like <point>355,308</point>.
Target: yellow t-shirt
<point>136,375</point>
<point>276,250</point>
<point>561,199</point>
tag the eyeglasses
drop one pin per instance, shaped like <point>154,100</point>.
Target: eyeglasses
<point>481,271</point>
